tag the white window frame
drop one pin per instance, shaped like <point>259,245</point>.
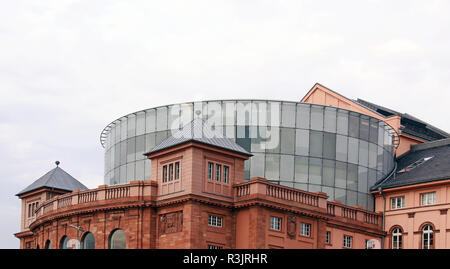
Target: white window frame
<point>348,241</point>
<point>328,237</point>
<point>396,239</point>
<point>275,223</point>
<point>215,221</point>
<point>428,198</point>
<point>428,234</point>
<point>397,202</point>
<point>305,229</point>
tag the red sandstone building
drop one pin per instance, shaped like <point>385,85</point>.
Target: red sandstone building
<point>199,195</point>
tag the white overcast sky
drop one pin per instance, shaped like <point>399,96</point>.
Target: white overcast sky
<point>68,68</point>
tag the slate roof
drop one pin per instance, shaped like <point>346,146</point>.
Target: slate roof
<point>56,178</point>
<point>199,131</point>
<point>435,169</point>
<point>410,124</point>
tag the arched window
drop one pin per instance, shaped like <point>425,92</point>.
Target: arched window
<point>427,237</point>
<point>48,244</point>
<point>64,243</point>
<point>117,239</point>
<point>397,238</point>
<point>88,241</point>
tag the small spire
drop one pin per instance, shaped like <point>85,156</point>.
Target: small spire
<point>57,163</point>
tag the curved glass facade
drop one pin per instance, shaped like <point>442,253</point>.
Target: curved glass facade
<point>306,146</point>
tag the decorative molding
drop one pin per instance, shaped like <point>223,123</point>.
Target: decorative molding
<point>411,215</point>
<point>443,211</point>
<point>171,222</point>
<point>291,226</point>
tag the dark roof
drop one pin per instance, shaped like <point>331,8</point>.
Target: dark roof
<point>56,178</point>
<point>199,131</point>
<point>434,169</point>
<point>410,124</point>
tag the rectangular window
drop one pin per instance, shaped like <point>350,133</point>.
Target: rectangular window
<point>171,172</point>
<point>328,238</point>
<point>428,198</point>
<point>210,170</point>
<point>214,221</point>
<point>177,170</point>
<point>305,229</point>
<point>370,244</point>
<point>214,247</point>
<point>397,202</point>
<point>218,172</point>
<point>275,223</point>
<point>348,241</point>
<point>226,172</point>
<point>165,173</point>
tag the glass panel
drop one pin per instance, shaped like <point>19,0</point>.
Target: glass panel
<point>160,136</point>
<point>161,119</point>
<point>148,169</point>
<point>363,153</point>
<point>123,129</point>
<point>229,113</point>
<point>341,148</point>
<point>112,158</point>
<point>341,175</point>
<point>117,240</point>
<point>117,155</point>
<point>301,169</point>
<point>288,115</point>
<point>372,178</point>
<point>123,152</point>
<point>342,122</point>
<point>381,133</point>
<point>353,150</point>
<point>315,171</point>
<point>186,114</point>
<point>364,128</point>
<point>123,174</point>
<point>150,121</point>
<point>273,113</point>
<point>329,145</point>
<point>173,117</point>
<point>380,158</point>
<point>130,172</point>
<point>352,177</point>
<point>328,173</point>
<point>351,198</point>
<point>287,140</point>
<point>140,147</point>
<point>131,149</point>
<point>353,125</point>
<point>140,123</point>
<point>372,156</point>
<point>329,191</point>
<point>215,113</point>
<point>303,116</point>
<point>257,142</point>
<point>150,142</point>
<point>317,118</point>
<point>287,167</point>
<point>273,140</point>
<point>272,166</point>
<point>131,122</point>
<point>117,132</point>
<point>330,120</point>
<point>244,111</point>
<point>140,170</point>
<point>340,195</point>
<point>314,188</point>
<point>302,142</point>
<point>316,144</point>
<point>362,179</point>
<point>373,133</point>
<point>257,165</point>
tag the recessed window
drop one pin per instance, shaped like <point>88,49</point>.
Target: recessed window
<point>328,238</point>
<point>428,198</point>
<point>397,202</point>
<point>348,241</point>
<point>397,238</point>
<point>165,173</point>
<point>370,244</point>
<point>210,170</point>
<point>171,172</point>
<point>117,240</point>
<point>305,229</point>
<point>275,223</point>
<point>64,243</point>
<point>214,221</point>
<point>218,172</point>
<point>427,237</point>
<point>88,241</point>
<point>214,247</point>
<point>177,170</point>
<point>226,172</point>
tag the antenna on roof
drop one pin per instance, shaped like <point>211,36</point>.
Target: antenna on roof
<point>57,163</point>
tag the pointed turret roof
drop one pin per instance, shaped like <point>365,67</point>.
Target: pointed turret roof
<point>56,178</point>
<point>199,131</point>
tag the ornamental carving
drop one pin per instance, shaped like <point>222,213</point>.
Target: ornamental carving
<point>291,226</point>
<point>171,223</point>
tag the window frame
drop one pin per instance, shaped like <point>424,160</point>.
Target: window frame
<point>275,223</point>
<point>395,200</point>
<point>226,174</point>
<point>396,237</point>
<point>348,241</point>
<point>215,221</point>
<point>427,201</point>
<point>430,233</point>
<point>305,229</point>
